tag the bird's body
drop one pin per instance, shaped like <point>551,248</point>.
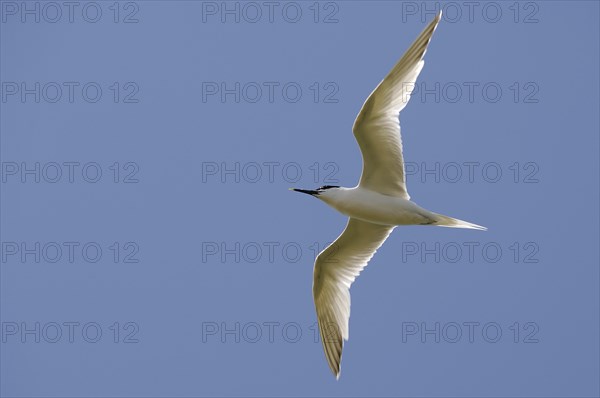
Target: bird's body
<point>371,206</point>
<point>378,204</point>
<point>374,207</point>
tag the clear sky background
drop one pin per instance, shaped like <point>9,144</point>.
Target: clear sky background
<point>150,245</point>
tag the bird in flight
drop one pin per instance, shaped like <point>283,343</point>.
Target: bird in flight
<point>376,206</point>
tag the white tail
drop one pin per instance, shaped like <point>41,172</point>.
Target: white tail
<point>445,221</point>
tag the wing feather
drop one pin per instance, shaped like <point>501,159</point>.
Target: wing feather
<point>377,128</point>
<point>336,268</point>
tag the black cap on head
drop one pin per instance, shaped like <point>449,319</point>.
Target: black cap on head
<point>315,192</point>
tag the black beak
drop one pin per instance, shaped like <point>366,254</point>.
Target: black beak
<point>307,191</point>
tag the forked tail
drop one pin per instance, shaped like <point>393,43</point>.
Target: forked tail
<point>445,221</point>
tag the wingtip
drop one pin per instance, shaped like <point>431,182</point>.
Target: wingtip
<point>337,373</point>
<point>436,20</point>
<point>337,370</point>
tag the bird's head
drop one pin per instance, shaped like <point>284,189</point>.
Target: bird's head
<point>323,192</point>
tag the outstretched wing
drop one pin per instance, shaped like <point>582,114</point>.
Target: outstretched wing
<point>377,128</point>
<point>336,268</point>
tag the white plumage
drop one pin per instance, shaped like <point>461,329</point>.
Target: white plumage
<point>377,205</point>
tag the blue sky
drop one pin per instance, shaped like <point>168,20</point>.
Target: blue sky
<point>150,245</point>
